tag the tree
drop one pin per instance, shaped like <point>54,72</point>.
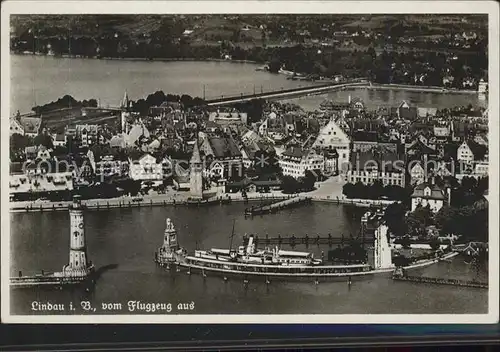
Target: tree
<point>289,184</point>
<point>435,244</point>
<point>418,220</point>
<point>394,217</point>
<point>274,66</point>
<point>19,142</point>
<point>446,220</point>
<point>348,190</point>
<point>405,242</point>
<point>44,140</point>
<point>308,181</point>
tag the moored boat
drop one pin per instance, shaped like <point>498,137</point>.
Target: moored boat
<point>248,261</point>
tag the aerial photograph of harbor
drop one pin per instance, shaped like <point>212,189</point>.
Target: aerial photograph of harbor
<point>248,164</point>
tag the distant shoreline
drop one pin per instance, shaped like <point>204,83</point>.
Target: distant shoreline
<point>374,86</point>
<point>429,89</point>
<point>139,58</point>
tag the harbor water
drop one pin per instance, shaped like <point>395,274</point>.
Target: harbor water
<point>122,242</point>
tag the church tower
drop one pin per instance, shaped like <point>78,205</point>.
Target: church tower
<point>125,113</point>
<point>79,264</point>
<point>195,174</point>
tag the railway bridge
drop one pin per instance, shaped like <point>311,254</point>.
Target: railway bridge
<point>286,93</point>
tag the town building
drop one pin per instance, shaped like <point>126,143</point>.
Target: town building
<point>376,165</point>
<point>40,179</point>
<point>223,158</point>
<point>405,111</point>
<point>295,161</point>
<point>426,112</point>
<point>181,178</point>
<point>108,163</point>
<point>332,138</point>
<point>29,126</point>
<point>442,133</point>
<point>481,139</point>
<point>59,140</point>
<point>417,174</point>
<point>482,87</point>
<point>16,127</point>
<point>274,127</point>
<point>145,167</point>
<point>252,186</point>
<point>430,194</point>
<point>88,135</point>
<point>469,151</point>
<point>228,116</point>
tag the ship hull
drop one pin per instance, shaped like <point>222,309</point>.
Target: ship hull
<point>190,269</point>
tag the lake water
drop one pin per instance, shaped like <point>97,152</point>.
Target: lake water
<point>126,239</point>
<point>40,79</point>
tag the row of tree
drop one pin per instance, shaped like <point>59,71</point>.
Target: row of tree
<point>468,222</point>
<point>291,185</point>
<point>65,102</point>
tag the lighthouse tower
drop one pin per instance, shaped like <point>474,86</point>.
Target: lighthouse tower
<point>79,265</point>
<point>195,175</point>
<point>125,113</point>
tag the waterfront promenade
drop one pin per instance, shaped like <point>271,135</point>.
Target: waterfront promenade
<point>329,191</point>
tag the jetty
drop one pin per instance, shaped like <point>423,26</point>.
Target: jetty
<point>51,279</point>
<point>439,281</point>
<point>307,240</point>
<point>275,207</point>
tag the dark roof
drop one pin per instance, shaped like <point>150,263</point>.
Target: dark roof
<point>450,150</point>
<point>436,191</point>
<point>16,168</point>
<point>366,160</point>
<point>60,137</point>
<point>289,118</point>
<point>296,152</point>
<point>410,113</point>
<point>224,147</point>
<point>478,150</point>
<point>365,136</point>
<point>30,124</point>
<point>211,124</point>
<point>101,151</point>
<point>418,146</point>
<point>419,126</point>
<point>136,154</point>
<point>462,129</point>
<point>365,124</point>
<point>247,182</point>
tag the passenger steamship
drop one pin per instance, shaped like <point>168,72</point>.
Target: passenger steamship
<point>247,260</point>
